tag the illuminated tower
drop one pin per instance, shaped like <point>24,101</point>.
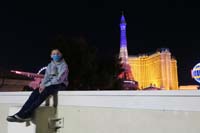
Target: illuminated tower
<point>123,43</point>
<point>123,55</point>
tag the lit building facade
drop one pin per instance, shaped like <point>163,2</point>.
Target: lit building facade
<point>158,70</point>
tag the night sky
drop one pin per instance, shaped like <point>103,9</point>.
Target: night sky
<point>27,29</point>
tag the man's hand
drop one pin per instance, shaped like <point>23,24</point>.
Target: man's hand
<point>41,88</point>
<point>35,84</point>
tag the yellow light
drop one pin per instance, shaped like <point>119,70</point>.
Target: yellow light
<point>157,69</point>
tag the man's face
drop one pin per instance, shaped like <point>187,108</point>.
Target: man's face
<point>56,52</point>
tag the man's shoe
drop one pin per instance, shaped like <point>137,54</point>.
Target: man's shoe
<point>16,118</point>
<point>12,119</point>
<point>22,119</point>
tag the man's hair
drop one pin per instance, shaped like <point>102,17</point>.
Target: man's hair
<point>57,49</point>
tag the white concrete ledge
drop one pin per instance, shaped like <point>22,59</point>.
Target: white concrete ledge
<point>110,112</point>
<point>154,100</point>
<point>133,93</point>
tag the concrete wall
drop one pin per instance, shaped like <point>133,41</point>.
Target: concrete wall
<point>109,112</point>
<point>112,120</point>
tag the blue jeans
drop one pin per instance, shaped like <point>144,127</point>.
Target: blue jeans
<point>36,98</point>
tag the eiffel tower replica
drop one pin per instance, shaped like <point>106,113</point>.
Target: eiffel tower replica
<point>128,81</point>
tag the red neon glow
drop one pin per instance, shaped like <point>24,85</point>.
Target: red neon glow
<point>17,72</point>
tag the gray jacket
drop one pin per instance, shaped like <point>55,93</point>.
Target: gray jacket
<point>55,74</point>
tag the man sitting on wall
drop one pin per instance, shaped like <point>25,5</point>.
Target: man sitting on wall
<point>55,79</point>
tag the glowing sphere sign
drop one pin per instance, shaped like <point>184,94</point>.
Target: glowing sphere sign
<point>196,72</point>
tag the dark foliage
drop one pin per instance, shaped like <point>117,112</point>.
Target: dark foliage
<point>87,70</point>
